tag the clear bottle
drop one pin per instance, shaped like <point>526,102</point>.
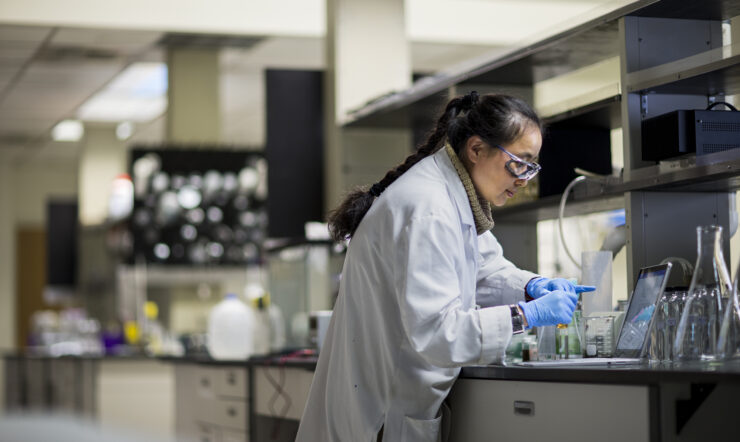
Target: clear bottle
<point>728,344</point>
<point>698,329</point>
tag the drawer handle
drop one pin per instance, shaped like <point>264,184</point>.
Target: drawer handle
<point>231,411</point>
<point>204,382</point>
<point>231,379</point>
<point>524,408</point>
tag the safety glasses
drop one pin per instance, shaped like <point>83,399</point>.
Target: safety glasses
<point>519,168</point>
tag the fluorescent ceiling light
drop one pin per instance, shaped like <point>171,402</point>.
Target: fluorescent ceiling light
<point>124,130</point>
<point>68,130</point>
<point>137,94</point>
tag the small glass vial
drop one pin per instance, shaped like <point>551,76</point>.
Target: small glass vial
<point>561,342</point>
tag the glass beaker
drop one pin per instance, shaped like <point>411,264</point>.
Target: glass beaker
<point>598,335</point>
<point>673,316</point>
<point>698,329</point>
<point>657,339</point>
<point>546,348</point>
<point>728,344</point>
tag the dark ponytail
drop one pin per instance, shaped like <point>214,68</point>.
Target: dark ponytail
<point>499,119</point>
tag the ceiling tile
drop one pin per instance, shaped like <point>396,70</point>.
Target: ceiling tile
<point>10,33</point>
<point>124,42</point>
<point>68,74</point>
<point>11,123</point>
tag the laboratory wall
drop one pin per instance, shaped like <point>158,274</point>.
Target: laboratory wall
<point>24,191</point>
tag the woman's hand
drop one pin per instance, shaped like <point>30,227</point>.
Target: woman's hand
<point>539,287</point>
<point>555,307</point>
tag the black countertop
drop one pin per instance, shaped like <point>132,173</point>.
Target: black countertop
<point>638,374</point>
<point>305,360</point>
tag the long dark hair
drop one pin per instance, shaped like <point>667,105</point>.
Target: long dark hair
<point>497,119</point>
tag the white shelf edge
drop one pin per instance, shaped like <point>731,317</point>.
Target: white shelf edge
<point>169,275</point>
<point>580,101</point>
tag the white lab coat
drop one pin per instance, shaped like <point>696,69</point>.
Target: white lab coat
<point>406,317</point>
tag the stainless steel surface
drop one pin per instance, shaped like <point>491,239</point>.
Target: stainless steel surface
<point>717,172</point>
<point>708,73</point>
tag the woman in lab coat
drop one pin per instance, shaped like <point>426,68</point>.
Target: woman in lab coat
<point>425,287</point>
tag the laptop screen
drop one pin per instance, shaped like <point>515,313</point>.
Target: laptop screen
<point>650,284</point>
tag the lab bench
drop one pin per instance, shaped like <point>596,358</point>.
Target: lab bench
<point>263,399</point>
<point>657,403</point>
<point>170,398</point>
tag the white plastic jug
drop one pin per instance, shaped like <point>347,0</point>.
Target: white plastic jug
<point>230,329</point>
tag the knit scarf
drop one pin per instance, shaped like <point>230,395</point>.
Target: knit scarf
<point>481,208</point>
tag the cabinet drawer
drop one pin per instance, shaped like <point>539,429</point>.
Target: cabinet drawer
<point>205,382</point>
<point>548,411</point>
<point>209,433</point>
<point>224,413</point>
<point>232,382</point>
<point>233,436</point>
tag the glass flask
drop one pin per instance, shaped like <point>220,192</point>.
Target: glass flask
<point>698,329</point>
<point>728,344</point>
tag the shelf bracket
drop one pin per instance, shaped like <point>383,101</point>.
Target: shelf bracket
<point>643,105</point>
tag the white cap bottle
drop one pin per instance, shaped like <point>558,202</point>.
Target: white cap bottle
<point>230,327</point>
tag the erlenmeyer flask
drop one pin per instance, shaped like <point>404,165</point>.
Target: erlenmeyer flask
<point>698,329</point>
<point>728,344</point>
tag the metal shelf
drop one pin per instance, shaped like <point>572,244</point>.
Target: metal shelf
<point>547,208</point>
<point>564,50</point>
<point>709,73</point>
<point>692,9</point>
<point>717,172</point>
<point>603,111</point>
<point>167,275</point>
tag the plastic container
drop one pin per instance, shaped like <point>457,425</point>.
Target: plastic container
<point>230,328</point>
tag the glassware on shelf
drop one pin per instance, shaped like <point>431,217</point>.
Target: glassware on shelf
<point>728,344</point>
<point>698,329</point>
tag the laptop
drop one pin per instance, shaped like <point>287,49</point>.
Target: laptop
<point>651,282</point>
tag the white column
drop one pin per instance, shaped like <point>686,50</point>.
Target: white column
<point>367,55</point>
<point>193,111</point>
<point>370,53</point>
<point>102,158</point>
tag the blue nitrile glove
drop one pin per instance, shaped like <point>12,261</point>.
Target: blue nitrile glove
<point>556,307</point>
<point>539,287</point>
